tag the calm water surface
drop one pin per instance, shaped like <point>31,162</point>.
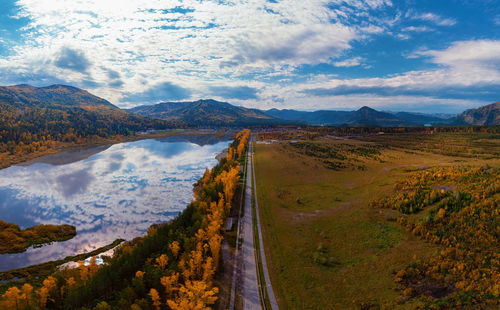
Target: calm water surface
<point>107,193</point>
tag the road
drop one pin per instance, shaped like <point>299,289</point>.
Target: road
<point>248,275</point>
<point>251,298</point>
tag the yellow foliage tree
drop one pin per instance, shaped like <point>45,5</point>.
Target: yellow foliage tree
<point>93,267</point>
<point>27,290</point>
<point>102,306</point>
<point>230,154</point>
<point>215,244</point>
<point>194,295</point>
<point>12,298</point>
<point>162,261</point>
<point>43,294</point>
<point>196,261</point>
<point>155,297</point>
<point>229,180</point>
<point>441,213</point>
<point>174,247</point>
<point>208,271</point>
<point>170,283</point>
<point>139,274</point>
<point>84,271</point>
<point>70,283</point>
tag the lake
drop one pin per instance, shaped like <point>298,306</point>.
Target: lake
<point>107,193</point>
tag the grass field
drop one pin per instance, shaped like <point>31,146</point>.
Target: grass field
<point>327,248</point>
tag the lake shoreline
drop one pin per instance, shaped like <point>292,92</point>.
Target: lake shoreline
<point>16,240</point>
<point>87,150</point>
<point>8,160</point>
<point>47,268</point>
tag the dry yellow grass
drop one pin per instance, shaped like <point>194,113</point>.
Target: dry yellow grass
<point>327,248</point>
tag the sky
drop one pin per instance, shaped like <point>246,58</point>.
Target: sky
<point>412,55</point>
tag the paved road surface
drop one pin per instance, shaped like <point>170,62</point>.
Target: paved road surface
<point>251,299</point>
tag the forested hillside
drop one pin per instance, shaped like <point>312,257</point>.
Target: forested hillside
<point>209,112</point>
<point>33,119</point>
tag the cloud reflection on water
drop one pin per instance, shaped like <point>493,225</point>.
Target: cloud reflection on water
<point>117,193</point>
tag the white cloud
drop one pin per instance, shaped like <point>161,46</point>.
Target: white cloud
<point>482,53</point>
<point>149,42</point>
<point>352,62</point>
<point>436,19</point>
<point>374,4</point>
<point>238,44</point>
<point>417,29</point>
<point>402,36</point>
<point>463,64</point>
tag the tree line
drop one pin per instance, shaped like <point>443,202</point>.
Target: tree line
<point>31,129</point>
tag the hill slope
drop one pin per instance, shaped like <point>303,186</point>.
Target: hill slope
<point>206,113</point>
<point>161,110</point>
<point>53,96</point>
<point>484,116</point>
<point>62,113</point>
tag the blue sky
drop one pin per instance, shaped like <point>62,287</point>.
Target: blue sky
<point>424,56</point>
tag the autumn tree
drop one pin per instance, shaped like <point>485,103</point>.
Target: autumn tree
<point>12,298</point>
<point>194,295</point>
<point>162,262</point>
<point>155,297</point>
<point>174,247</point>
<point>170,283</point>
<point>27,290</point>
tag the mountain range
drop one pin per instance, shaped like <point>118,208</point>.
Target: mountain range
<point>363,117</point>
<point>68,105</point>
<point>59,109</point>
<point>206,113</point>
<point>216,113</point>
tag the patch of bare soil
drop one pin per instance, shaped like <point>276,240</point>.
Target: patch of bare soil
<point>430,289</point>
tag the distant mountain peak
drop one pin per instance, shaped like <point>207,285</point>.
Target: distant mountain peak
<point>50,87</point>
<point>59,86</point>
<point>208,100</point>
<point>365,108</point>
<point>27,86</point>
